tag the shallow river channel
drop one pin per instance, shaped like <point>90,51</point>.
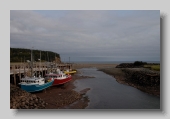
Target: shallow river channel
<point>106,93</point>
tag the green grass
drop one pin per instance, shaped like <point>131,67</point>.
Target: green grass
<point>153,67</point>
<point>147,66</point>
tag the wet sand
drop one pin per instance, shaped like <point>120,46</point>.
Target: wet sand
<point>106,68</point>
<point>64,97</point>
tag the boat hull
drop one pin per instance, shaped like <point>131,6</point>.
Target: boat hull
<point>61,81</point>
<point>70,72</point>
<point>36,87</point>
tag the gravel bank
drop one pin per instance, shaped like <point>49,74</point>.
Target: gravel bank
<point>64,97</point>
<point>20,99</point>
<point>143,79</point>
<point>55,97</point>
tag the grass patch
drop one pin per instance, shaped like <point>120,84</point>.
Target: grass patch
<point>147,66</point>
<point>153,67</point>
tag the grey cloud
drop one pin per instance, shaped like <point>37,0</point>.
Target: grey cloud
<point>106,33</point>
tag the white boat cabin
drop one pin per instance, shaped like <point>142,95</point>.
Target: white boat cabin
<point>32,80</point>
<point>56,76</point>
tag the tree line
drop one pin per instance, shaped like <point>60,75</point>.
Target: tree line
<point>21,55</point>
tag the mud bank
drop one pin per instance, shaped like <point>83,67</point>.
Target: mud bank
<point>64,97</point>
<point>143,79</point>
<point>55,97</point>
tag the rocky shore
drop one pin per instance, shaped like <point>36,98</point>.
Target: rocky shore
<point>56,97</point>
<point>20,99</point>
<point>64,96</point>
<point>143,79</point>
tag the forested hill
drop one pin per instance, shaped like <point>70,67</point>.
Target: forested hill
<point>21,54</point>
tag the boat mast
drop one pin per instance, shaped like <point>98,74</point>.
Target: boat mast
<point>40,61</point>
<point>47,56</point>
<point>40,57</point>
<point>31,64</point>
<point>55,60</point>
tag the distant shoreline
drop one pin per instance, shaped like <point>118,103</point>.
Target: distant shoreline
<point>109,62</point>
<point>93,62</point>
<point>121,76</point>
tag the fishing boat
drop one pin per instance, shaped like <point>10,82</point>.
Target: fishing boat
<point>33,83</point>
<point>70,71</point>
<point>59,77</point>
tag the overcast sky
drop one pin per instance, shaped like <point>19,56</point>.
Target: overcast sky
<point>89,35</point>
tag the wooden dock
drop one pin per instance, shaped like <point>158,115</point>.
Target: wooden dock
<point>19,70</point>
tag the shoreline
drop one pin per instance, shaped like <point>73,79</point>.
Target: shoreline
<point>121,76</point>
<point>64,96</point>
<point>55,97</point>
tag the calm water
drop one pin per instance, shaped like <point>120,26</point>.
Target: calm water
<point>106,93</point>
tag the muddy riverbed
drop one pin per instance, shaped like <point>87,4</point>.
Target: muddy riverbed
<point>85,91</point>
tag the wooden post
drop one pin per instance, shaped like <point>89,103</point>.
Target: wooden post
<point>36,69</point>
<point>14,74</point>
<point>42,70</point>
<point>39,69</point>
<point>19,73</point>
<point>45,70</point>
<point>24,69</point>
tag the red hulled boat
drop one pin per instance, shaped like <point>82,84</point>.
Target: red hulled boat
<point>59,78</point>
